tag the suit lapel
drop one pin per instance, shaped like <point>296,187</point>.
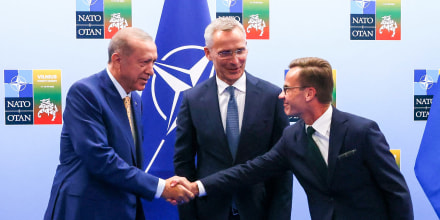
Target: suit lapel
<point>210,100</point>
<point>338,129</point>
<point>213,115</point>
<point>137,117</point>
<point>117,106</point>
<point>251,104</point>
<point>300,138</point>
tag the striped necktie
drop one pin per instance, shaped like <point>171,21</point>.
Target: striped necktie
<point>232,129</point>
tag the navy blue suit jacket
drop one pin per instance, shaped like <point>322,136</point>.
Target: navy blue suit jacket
<point>363,179</point>
<point>200,132</point>
<point>98,176</point>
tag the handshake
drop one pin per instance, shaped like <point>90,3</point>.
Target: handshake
<point>179,190</point>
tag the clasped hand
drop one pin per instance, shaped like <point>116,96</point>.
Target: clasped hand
<point>179,190</point>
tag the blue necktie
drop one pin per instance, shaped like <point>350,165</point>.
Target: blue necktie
<point>232,129</point>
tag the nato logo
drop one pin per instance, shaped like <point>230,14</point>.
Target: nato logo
<point>362,27</point>
<point>229,6</point>
<point>363,6</point>
<point>179,78</point>
<point>425,86</point>
<point>178,70</point>
<point>18,97</point>
<point>363,20</point>
<point>89,24</point>
<point>89,19</point>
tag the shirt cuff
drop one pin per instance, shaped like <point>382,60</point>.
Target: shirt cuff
<point>160,188</point>
<point>202,191</point>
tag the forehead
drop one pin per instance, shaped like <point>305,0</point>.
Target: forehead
<point>228,39</point>
<point>292,76</point>
<point>142,48</point>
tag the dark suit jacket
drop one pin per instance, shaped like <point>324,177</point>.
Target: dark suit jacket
<point>200,134</point>
<point>98,176</point>
<point>363,179</point>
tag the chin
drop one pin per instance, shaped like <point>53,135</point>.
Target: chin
<point>141,87</point>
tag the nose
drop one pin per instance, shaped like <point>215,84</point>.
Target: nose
<point>281,95</point>
<point>235,58</point>
<point>150,70</point>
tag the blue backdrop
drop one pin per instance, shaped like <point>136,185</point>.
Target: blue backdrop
<point>375,79</point>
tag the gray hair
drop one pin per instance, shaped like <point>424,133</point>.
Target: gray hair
<point>221,24</point>
<point>120,42</point>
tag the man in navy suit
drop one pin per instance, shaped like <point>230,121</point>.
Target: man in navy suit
<point>344,166</point>
<point>202,147</point>
<point>100,176</point>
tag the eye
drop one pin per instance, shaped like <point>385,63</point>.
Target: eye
<point>147,62</point>
<point>240,51</point>
<point>225,53</point>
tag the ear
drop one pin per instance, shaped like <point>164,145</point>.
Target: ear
<point>116,58</point>
<point>310,93</point>
<point>207,53</point>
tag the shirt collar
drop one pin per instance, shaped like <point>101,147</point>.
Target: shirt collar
<point>322,124</point>
<point>118,86</point>
<point>240,84</point>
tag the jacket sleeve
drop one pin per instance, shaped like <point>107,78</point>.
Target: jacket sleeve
<point>387,174</point>
<point>88,133</point>
<point>279,188</point>
<point>273,163</point>
<point>184,155</point>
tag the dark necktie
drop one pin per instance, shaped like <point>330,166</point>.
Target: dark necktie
<point>315,155</point>
<point>232,129</point>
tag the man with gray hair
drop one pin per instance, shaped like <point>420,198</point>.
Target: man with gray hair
<point>100,174</point>
<point>227,120</point>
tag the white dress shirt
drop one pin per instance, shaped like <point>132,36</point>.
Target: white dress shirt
<point>240,98</point>
<point>322,132</point>
<point>223,98</point>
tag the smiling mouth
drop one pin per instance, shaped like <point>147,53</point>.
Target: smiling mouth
<point>235,69</point>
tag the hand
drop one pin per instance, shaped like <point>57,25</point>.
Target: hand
<point>177,193</point>
<point>191,186</point>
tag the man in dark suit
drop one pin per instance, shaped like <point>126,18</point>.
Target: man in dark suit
<point>204,132</point>
<point>100,176</point>
<point>344,166</point>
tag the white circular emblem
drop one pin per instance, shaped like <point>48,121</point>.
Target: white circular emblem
<point>229,3</point>
<point>89,2</point>
<point>363,3</point>
<point>18,83</point>
<point>426,82</point>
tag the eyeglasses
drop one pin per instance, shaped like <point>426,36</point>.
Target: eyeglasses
<point>285,88</point>
<point>226,54</point>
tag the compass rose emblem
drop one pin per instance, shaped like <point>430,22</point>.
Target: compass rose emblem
<point>18,83</point>
<point>363,3</point>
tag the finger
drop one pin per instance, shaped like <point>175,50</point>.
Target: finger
<point>172,201</point>
<point>175,180</point>
<point>187,195</point>
<point>194,189</point>
<point>174,183</point>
